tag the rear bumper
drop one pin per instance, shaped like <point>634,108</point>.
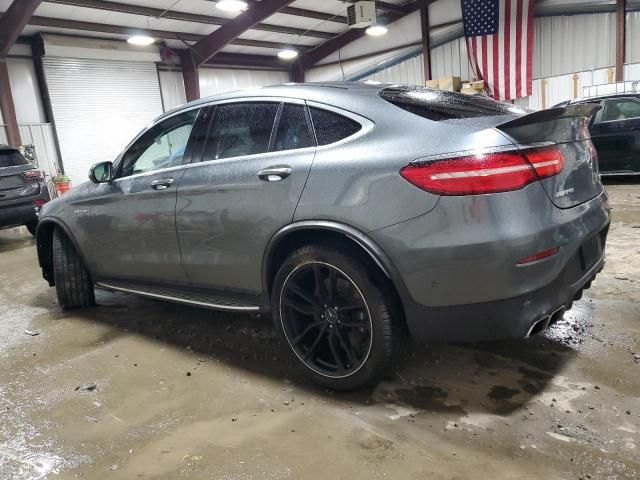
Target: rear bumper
<point>16,214</point>
<point>457,272</point>
<point>511,318</point>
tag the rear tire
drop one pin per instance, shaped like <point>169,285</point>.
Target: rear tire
<point>338,317</point>
<point>73,283</point>
<point>32,227</point>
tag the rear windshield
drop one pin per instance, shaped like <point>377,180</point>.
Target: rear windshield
<point>11,158</point>
<point>440,105</point>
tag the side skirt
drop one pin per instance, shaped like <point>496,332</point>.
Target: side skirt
<point>198,298</point>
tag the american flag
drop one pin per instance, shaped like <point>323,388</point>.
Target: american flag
<point>499,35</point>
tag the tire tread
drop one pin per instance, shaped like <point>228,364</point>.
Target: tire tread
<point>74,287</point>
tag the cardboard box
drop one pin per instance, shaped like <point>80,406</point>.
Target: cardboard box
<point>468,90</point>
<point>432,84</point>
<point>452,84</point>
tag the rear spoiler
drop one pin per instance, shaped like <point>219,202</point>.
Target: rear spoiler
<point>556,124</point>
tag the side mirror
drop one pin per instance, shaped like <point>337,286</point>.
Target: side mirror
<point>101,172</point>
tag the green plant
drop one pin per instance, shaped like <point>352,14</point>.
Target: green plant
<point>60,178</point>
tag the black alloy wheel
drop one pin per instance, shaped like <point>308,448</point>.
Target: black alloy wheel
<point>326,319</point>
<point>338,317</point>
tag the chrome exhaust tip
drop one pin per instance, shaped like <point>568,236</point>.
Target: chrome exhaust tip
<point>539,326</point>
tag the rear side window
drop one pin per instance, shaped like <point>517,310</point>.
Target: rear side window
<point>620,109</point>
<point>293,129</point>
<point>240,129</point>
<point>11,158</point>
<point>441,105</point>
<point>331,127</point>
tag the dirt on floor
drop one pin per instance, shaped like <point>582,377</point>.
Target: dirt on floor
<point>142,389</point>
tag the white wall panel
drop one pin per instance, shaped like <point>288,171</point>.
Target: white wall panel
<point>98,107</point>
<point>450,59</point>
<point>632,48</point>
<point>219,80</point>
<point>575,43</point>
<point>409,72</point>
<point>172,88</point>
<point>25,90</point>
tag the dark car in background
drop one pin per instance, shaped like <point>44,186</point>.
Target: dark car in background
<point>615,132</point>
<point>23,190</point>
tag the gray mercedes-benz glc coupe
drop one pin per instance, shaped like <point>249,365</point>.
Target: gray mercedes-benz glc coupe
<point>356,214</point>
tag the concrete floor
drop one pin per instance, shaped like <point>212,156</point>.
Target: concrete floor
<point>188,393</point>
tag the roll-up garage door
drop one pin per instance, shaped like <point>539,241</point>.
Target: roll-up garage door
<point>98,107</point>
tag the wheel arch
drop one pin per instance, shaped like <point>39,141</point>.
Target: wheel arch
<point>44,246</point>
<point>302,233</point>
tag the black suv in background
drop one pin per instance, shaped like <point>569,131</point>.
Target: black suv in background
<point>22,190</point>
<point>615,131</point>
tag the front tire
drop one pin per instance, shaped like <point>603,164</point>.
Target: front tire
<point>337,316</point>
<point>73,283</point>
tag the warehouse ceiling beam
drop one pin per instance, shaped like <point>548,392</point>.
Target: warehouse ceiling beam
<point>334,44</point>
<point>11,25</point>
<point>186,17</point>
<point>216,41</point>
<point>390,7</point>
<point>161,34</point>
<point>303,12</point>
<point>13,22</point>
<point>426,42</point>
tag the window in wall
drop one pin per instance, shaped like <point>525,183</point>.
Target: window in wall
<point>162,146</point>
<point>331,127</point>
<point>620,109</point>
<point>240,129</point>
<point>293,129</point>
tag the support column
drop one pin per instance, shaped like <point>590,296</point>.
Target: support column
<point>190,75</point>
<point>426,44</point>
<point>7,106</point>
<point>296,72</point>
<point>620,39</point>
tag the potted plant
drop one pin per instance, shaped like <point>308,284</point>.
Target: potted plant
<point>62,183</point>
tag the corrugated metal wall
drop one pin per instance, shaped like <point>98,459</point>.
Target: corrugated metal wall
<point>566,44</point>
<point>172,89</point>
<point>218,80</point>
<point>632,47</point>
<point>450,59</point>
<point>410,72</point>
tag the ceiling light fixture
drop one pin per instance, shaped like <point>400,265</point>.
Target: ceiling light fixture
<point>377,30</point>
<point>232,5</point>
<point>287,54</point>
<point>140,40</point>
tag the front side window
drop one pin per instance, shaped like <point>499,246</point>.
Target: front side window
<point>620,109</point>
<point>331,127</point>
<point>162,146</point>
<point>240,129</point>
<point>293,129</point>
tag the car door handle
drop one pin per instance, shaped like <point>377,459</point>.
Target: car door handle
<point>161,184</point>
<point>274,174</point>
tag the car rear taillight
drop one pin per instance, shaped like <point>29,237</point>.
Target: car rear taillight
<point>34,174</point>
<point>485,173</point>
